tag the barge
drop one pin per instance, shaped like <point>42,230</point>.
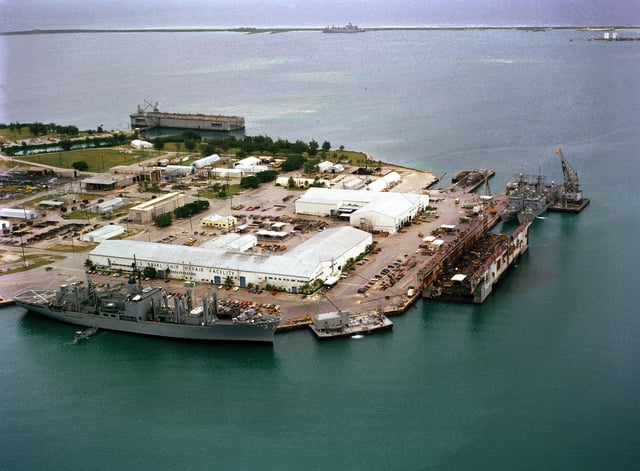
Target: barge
<point>341,324</point>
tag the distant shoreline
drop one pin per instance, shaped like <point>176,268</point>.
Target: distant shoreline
<point>249,30</point>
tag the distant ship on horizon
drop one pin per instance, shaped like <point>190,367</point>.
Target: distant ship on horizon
<point>348,28</point>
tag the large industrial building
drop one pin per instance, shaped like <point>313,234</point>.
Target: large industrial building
<point>368,210</point>
<point>149,210</point>
<point>321,257</point>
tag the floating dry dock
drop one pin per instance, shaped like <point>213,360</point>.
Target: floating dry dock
<point>340,324</point>
<point>150,116</point>
<point>470,276</point>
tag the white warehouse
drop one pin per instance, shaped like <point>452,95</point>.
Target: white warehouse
<point>367,210</point>
<point>318,258</point>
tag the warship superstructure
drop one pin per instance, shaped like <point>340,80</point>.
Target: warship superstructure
<point>529,195</point>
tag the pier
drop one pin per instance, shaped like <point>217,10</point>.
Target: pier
<point>446,251</point>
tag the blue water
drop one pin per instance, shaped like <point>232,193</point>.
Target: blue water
<point>543,375</point>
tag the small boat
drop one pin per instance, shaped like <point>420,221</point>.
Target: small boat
<point>85,334</point>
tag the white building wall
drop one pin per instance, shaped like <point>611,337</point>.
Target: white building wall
<point>147,211</point>
<point>313,208</point>
<point>375,221</point>
<point>289,271</point>
<point>13,213</point>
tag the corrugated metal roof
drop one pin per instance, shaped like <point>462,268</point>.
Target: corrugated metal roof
<point>302,261</point>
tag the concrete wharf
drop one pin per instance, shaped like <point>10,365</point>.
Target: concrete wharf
<point>389,280</point>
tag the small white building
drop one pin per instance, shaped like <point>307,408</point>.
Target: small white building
<point>226,223</point>
<point>390,180</point>
<point>302,182</point>
<point>250,165</point>
<point>5,226</point>
<point>325,166</point>
<point>178,169</point>
<point>13,213</point>
<point>139,144</point>
<point>337,168</point>
<point>206,161</point>
<point>109,205</point>
<point>248,162</point>
<point>228,172</point>
<point>354,184</point>
<point>103,233</point>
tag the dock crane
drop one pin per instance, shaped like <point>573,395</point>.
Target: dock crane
<point>487,194</point>
<point>325,297</point>
<point>572,191</point>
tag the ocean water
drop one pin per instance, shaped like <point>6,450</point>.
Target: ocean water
<point>543,375</point>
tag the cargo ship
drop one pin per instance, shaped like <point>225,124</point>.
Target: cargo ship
<point>149,117</point>
<point>147,311</point>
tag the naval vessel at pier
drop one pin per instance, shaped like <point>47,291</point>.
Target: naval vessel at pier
<point>147,311</point>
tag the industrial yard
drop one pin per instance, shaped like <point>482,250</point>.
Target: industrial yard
<point>263,248</point>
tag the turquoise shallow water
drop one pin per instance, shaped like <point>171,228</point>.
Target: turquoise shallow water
<point>544,375</point>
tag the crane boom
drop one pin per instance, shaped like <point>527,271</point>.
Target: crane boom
<point>331,302</point>
<point>571,180</point>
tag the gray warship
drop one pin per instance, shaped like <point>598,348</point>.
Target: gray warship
<point>348,28</point>
<point>147,311</point>
<point>529,196</point>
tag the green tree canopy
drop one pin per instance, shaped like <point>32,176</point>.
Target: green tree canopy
<point>267,176</point>
<point>158,143</point>
<point>164,220</point>
<point>293,162</point>
<point>250,182</point>
<point>80,165</point>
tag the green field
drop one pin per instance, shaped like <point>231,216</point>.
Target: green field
<point>99,160</point>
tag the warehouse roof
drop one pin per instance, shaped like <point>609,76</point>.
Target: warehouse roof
<point>302,261</point>
<point>160,199</point>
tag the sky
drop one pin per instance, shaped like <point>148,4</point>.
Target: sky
<point>55,14</point>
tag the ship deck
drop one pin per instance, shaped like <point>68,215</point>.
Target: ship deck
<point>358,325</point>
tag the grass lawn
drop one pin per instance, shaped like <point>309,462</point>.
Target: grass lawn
<point>99,160</point>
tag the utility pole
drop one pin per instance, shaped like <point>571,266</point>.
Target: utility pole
<point>24,260</point>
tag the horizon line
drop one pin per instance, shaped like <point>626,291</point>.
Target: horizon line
<point>275,29</point>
